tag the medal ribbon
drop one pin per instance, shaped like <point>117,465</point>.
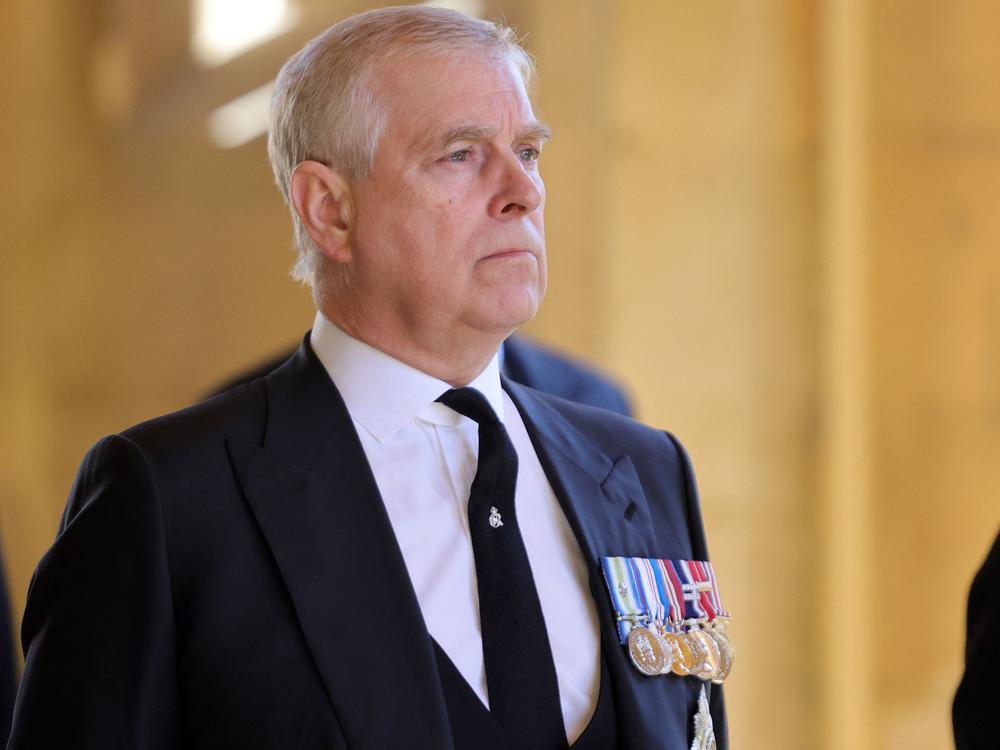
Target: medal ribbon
<point>647,578</point>
<point>689,591</point>
<point>668,592</point>
<point>697,574</point>
<point>708,575</point>
<point>625,593</point>
<point>677,584</point>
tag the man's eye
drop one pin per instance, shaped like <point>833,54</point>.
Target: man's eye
<point>463,155</point>
<point>529,154</point>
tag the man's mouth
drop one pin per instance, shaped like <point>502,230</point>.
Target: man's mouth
<point>512,252</point>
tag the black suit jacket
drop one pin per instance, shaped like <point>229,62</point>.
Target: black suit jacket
<point>975,706</point>
<point>227,577</point>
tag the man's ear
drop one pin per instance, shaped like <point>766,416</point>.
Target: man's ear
<point>322,199</point>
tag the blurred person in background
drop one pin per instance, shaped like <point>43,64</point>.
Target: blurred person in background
<point>8,660</point>
<point>383,543</point>
<point>976,700</point>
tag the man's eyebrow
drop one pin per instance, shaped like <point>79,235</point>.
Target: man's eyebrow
<point>468,133</point>
<point>536,131</point>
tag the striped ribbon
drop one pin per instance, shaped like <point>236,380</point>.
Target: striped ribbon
<point>708,575</point>
<point>628,602</point>
<point>647,579</point>
<point>693,601</point>
<point>672,588</point>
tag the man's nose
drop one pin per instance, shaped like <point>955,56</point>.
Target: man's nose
<point>519,192</point>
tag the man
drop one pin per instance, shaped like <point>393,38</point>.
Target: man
<point>975,700</point>
<point>332,556</point>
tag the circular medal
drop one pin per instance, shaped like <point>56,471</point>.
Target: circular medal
<point>647,650</point>
<point>706,654</point>
<point>668,655</point>
<point>681,659</point>
<point>726,651</point>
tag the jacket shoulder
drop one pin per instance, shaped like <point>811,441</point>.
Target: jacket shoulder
<point>187,442</point>
<point>240,412</point>
<point>611,431</point>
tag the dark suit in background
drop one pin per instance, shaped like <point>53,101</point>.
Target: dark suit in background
<point>528,363</point>
<point>8,662</point>
<point>978,697</point>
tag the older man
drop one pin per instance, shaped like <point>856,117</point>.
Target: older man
<point>381,544</point>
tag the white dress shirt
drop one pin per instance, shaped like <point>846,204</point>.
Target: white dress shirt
<point>424,458</point>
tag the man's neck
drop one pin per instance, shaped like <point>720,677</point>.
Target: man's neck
<point>457,358</point>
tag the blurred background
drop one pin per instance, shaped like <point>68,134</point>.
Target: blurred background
<point>776,222</point>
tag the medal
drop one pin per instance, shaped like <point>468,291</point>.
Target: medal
<point>711,603</point>
<point>647,650</point>
<point>646,647</point>
<point>682,659</point>
<point>697,589</point>
<point>717,629</point>
<point>687,653</point>
<point>706,653</point>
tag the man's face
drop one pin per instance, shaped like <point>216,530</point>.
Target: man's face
<point>447,235</point>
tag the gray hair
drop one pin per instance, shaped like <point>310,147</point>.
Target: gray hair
<point>323,107</point>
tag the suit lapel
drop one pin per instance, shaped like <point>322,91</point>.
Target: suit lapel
<point>315,499</point>
<point>601,496</point>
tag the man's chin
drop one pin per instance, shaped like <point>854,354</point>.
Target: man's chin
<point>511,310</point>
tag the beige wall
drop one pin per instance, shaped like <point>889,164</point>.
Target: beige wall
<point>771,220</point>
<point>935,265</point>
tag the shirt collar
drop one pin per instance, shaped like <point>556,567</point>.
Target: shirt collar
<point>384,394</point>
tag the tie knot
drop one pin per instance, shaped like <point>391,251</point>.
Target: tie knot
<point>470,403</point>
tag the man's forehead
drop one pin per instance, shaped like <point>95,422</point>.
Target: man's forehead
<point>435,101</point>
<point>430,82</point>
<point>442,64</point>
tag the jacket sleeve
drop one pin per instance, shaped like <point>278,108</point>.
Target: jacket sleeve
<point>98,631</point>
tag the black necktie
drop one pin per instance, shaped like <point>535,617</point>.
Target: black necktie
<point>520,672</point>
